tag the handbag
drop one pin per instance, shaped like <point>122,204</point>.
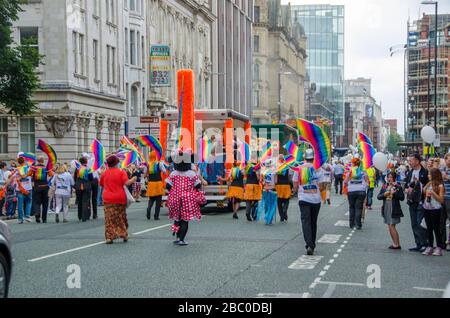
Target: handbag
<point>130,198</point>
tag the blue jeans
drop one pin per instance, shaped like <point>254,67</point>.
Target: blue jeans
<point>10,208</point>
<point>420,234</point>
<point>369,197</point>
<point>24,201</point>
<point>268,205</point>
<point>100,195</point>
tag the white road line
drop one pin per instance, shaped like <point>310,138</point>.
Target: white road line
<point>340,283</point>
<point>331,261</point>
<point>339,250</point>
<point>90,245</point>
<point>335,255</point>
<point>152,229</point>
<point>330,290</point>
<point>327,267</point>
<point>322,273</point>
<point>430,289</point>
<point>329,238</point>
<point>345,242</point>
<point>306,262</point>
<point>343,245</point>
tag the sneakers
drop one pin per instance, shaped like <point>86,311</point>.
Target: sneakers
<point>182,243</point>
<point>415,249</point>
<point>28,219</point>
<point>176,242</point>
<point>235,216</point>
<point>309,251</point>
<point>57,218</point>
<point>437,251</point>
<point>428,251</point>
<point>248,217</point>
<point>448,247</point>
<point>329,202</point>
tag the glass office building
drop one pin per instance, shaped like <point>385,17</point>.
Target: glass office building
<point>324,28</point>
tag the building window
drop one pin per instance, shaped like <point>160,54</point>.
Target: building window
<point>256,43</point>
<point>81,52</point>
<point>256,99</point>
<point>256,17</point>
<point>110,11</point>
<point>256,72</point>
<point>29,36</point>
<point>143,52</point>
<point>133,47</point>
<point>3,135</point>
<point>96,8</point>
<point>27,142</point>
<point>127,60</point>
<point>95,56</point>
<point>138,47</point>
<point>134,101</point>
<point>132,5</point>
<point>111,65</point>
<point>75,50</point>
<point>78,52</point>
<point>144,101</point>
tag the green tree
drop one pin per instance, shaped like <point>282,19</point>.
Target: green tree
<point>393,141</point>
<point>18,77</point>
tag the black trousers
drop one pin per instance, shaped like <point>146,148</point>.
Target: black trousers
<point>283,205</point>
<point>2,204</point>
<point>356,203</point>
<point>309,214</point>
<point>445,213</point>
<point>338,180</point>
<point>250,208</point>
<point>40,199</point>
<point>94,194</point>
<point>184,226</point>
<point>151,201</point>
<point>84,204</point>
<point>433,222</point>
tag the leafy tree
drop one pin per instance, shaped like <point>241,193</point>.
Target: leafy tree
<point>18,77</point>
<point>393,141</point>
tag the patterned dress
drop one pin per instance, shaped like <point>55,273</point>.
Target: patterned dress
<point>184,199</point>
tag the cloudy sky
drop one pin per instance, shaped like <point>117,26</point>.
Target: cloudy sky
<point>371,28</point>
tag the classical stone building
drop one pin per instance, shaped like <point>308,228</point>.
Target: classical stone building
<point>185,26</point>
<point>279,54</point>
<point>93,72</point>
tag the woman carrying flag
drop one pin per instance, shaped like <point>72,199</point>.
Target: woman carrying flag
<point>236,189</point>
<point>155,185</point>
<point>83,185</point>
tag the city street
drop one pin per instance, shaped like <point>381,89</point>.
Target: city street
<point>225,258</point>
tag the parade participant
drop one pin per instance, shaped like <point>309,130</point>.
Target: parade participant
<point>184,198</point>
<point>253,192</point>
<point>371,174</point>
<point>269,196</point>
<point>391,194</point>
<point>40,175</point>
<point>63,183</point>
<point>83,186</point>
<point>338,172</point>
<point>416,179</point>
<point>94,194</point>
<point>113,181</point>
<point>306,182</point>
<point>357,183</point>
<point>284,191</point>
<point>236,189</point>
<point>137,185</point>
<point>446,214</point>
<point>434,199</point>
<point>4,176</point>
<point>25,187</point>
<point>325,183</point>
<point>155,185</point>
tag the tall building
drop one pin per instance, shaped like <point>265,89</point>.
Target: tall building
<point>420,78</point>
<point>392,123</point>
<point>324,28</point>
<point>279,54</point>
<point>232,55</point>
<point>87,63</point>
<point>365,114</point>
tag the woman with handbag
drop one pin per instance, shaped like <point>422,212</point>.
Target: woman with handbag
<point>185,198</point>
<point>391,194</point>
<point>113,181</point>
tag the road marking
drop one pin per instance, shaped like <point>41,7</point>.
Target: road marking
<point>340,283</point>
<point>336,255</point>
<point>339,250</point>
<point>343,245</point>
<point>283,295</point>
<point>315,282</point>
<point>90,245</point>
<point>342,223</point>
<point>329,238</point>
<point>430,289</point>
<point>327,267</point>
<point>322,273</point>
<point>152,229</point>
<point>351,234</point>
<point>305,262</point>
<point>330,290</point>
<point>331,261</point>
<point>345,242</point>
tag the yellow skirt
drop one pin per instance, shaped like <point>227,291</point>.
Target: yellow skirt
<point>155,189</point>
<point>283,191</point>
<point>235,193</point>
<point>253,192</point>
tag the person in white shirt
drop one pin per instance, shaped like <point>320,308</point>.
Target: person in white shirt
<point>325,182</point>
<point>4,176</point>
<point>357,182</point>
<point>63,182</point>
<point>306,183</point>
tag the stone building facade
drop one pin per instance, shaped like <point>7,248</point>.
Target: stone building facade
<point>279,54</point>
<point>92,74</point>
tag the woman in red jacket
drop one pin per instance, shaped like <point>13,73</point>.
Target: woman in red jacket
<point>115,200</point>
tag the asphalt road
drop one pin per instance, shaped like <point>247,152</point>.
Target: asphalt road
<point>225,258</point>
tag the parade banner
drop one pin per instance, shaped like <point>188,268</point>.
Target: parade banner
<point>160,66</point>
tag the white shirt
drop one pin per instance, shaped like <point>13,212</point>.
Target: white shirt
<point>314,197</point>
<point>63,183</point>
<point>326,175</point>
<point>415,175</point>
<point>359,185</point>
<point>4,176</point>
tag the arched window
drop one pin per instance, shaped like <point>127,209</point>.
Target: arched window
<point>134,100</point>
<point>256,72</point>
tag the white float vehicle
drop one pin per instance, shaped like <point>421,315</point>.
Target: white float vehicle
<point>211,122</point>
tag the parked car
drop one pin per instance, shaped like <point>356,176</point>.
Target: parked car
<point>5,259</point>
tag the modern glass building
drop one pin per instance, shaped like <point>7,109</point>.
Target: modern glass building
<point>324,28</point>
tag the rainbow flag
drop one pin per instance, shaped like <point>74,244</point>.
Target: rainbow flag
<point>50,152</point>
<point>266,152</point>
<point>305,174</point>
<point>22,171</point>
<point>319,140</point>
<point>130,158</point>
<point>40,173</point>
<point>204,149</point>
<point>151,142</point>
<point>367,152</point>
<point>235,173</point>
<point>364,138</point>
<point>153,167</point>
<point>29,157</point>
<point>99,154</point>
<point>293,150</point>
<point>244,150</point>
<point>130,145</point>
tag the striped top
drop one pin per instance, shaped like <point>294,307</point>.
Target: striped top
<point>447,186</point>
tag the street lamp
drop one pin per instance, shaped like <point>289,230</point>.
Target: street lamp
<point>435,3</point>
<point>279,93</point>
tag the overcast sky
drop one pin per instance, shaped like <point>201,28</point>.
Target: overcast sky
<point>371,28</point>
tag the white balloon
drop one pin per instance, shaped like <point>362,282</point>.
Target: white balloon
<point>428,134</point>
<point>380,161</point>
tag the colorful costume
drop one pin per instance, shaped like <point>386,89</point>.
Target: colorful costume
<point>284,193</point>
<point>155,187</point>
<point>236,189</point>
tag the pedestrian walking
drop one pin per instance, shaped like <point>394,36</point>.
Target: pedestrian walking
<point>94,194</point>
<point>446,214</point>
<point>25,187</point>
<point>325,183</point>
<point>268,204</point>
<point>236,189</point>
<point>253,191</point>
<point>284,190</point>
<point>63,183</point>
<point>371,174</point>
<point>391,194</point>
<point>4,176</point>
<point>184,199</point>
<point>306,184</point>
<point>338,172</point>
<point>83,187</point>
<point>137,185</point>
<point>11,192</point>
<point>415,181</point>
<point>113,181</point>
<point>357,184</point>
<point>434,199</point>
<point>40,176</point>
<point>155,185</point>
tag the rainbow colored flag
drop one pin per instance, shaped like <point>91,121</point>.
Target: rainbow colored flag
<point>50,152</point>
<point>318,139</point>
